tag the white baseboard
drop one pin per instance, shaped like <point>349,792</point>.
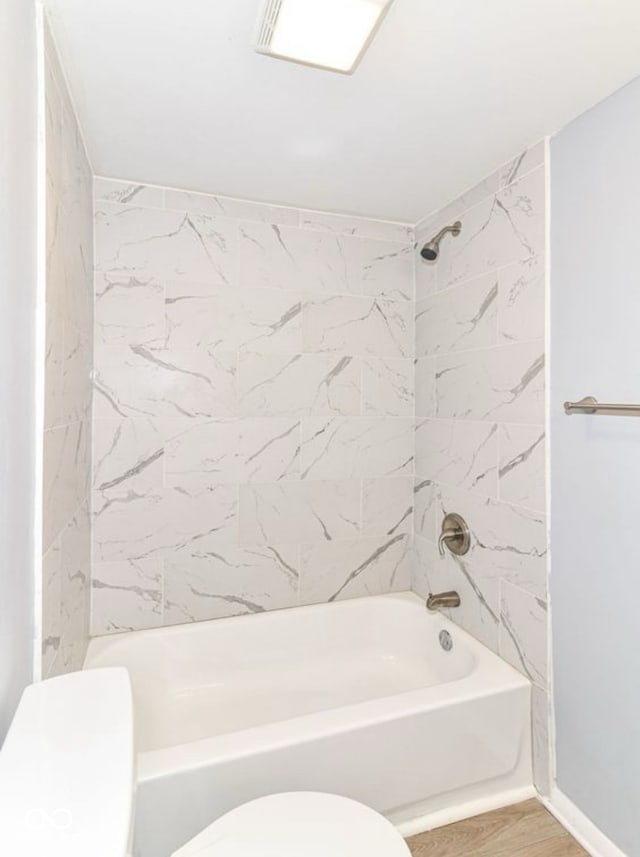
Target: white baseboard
<point>579,826</point>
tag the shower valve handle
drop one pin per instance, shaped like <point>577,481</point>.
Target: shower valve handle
<point>455,535</point>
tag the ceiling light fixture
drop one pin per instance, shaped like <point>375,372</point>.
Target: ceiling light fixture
<point>331,34</point>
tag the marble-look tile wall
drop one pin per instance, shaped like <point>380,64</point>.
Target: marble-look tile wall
<point>480,414</point>
<point>66,563</point>
<point>253,407</point>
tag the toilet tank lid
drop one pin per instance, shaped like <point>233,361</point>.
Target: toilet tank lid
<point>67,768</point>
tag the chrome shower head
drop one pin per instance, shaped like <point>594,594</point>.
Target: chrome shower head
<point>432,248</point>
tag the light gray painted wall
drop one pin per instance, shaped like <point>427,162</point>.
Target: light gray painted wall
<point>18,116</point>
<point>595,463</point>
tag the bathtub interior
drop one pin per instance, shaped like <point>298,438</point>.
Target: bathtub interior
<point>212,678</point>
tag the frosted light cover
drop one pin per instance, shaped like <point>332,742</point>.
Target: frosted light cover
<point>331,34</point>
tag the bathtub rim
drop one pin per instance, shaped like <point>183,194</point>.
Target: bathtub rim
<point>99,644</point>
<point>202,752</point>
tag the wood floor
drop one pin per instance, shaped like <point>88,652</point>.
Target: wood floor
<point>523,830</point>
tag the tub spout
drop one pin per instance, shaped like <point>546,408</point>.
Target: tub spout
<point>440,600</point>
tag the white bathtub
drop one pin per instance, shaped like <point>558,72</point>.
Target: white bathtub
<point>357,698</point>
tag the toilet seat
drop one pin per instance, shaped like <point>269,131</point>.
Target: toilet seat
<point>298,824</point>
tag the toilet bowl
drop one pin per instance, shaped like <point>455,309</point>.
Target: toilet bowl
<point>67,785</point>
<point>298,823</point>
<point>295,823</point>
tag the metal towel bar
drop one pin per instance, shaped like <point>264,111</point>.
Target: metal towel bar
<point>589,405</point>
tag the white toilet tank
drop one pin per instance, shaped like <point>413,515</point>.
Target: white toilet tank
<point>67,768</point>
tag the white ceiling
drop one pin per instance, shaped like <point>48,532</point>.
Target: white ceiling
<point>171,92</point>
